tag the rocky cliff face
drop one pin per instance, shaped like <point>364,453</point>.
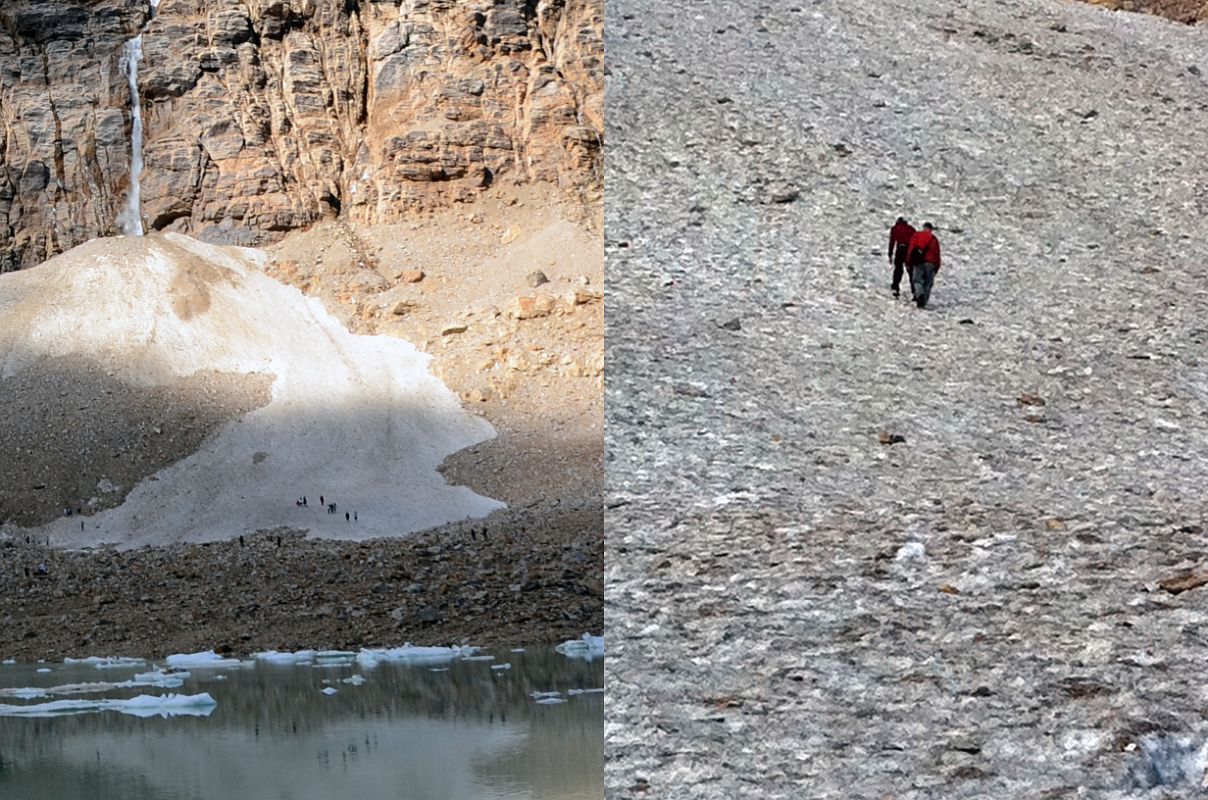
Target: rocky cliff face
<point>264,116</point>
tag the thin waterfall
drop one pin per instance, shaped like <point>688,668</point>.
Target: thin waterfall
<point>130,220</point>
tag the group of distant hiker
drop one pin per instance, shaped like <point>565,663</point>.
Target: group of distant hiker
<point>918,252</point>
<point>331,507</point>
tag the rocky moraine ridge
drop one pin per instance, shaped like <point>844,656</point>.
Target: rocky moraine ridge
<point>264,116</point>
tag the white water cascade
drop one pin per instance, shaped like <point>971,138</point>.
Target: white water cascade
<point>130,220</point>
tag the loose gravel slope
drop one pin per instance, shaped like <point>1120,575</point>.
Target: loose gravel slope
<point>796,609</point>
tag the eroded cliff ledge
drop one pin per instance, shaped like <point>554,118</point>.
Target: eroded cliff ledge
<point>263,116</point>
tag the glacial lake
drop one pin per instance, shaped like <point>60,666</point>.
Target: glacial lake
<point>414,724</point>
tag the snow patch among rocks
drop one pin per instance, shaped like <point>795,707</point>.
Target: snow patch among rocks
<point>358,419</point>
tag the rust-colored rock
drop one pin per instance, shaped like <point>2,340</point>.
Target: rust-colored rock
<point>531,306</point>
<point>412,276</point>
<point>263,116</point>
<point>1184,581</point>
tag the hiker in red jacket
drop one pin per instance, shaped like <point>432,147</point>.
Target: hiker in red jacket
<point>899,243</point>
<point>924,258</point>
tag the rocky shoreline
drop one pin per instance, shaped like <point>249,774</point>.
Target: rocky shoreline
<point>520,577</point>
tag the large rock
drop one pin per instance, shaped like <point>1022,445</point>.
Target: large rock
<point>263,116</point>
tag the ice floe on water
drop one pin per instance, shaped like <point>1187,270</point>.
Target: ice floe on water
<point>275,657</point>
<point>107,662</point>
<point>367,657</point>
<point>330,691</point>
<point>156,680</point>
<point>316,657</point>
<point>24,692</point>
<point>501,666</point>
<point>44,669</point>
<point>9,661</point>
<point>589,647</point>
<point>412,654</point>
<point>354,680</point>
<point>160,678</point>
<point>202,660</point>
<point>576,692</point>
<point>169,705</point>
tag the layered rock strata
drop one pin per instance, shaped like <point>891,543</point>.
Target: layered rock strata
<point>263,116</point>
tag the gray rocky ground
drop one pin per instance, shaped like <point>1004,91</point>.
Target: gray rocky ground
<point>986,609</point>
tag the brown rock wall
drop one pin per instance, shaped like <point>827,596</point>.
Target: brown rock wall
<point>264,116</point>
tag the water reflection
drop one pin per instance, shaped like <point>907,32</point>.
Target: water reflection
<point>407,732</point>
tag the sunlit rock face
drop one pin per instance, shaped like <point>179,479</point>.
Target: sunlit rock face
<point>263,116</point>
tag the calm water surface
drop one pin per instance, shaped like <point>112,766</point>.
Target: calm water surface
<point>406,732</point>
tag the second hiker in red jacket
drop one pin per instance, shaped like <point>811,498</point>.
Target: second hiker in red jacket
<point>924,258</point>
<point>899,242</point>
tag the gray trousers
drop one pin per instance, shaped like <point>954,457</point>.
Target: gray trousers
<point>923,277</point>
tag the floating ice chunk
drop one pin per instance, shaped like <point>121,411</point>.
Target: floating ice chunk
<point>438,669</point>
<point>576,692</point>
<point>330,691</point>
<point>107,662</point>
<point>24,692</point>
<point>354,680</point>
<point>158,678</point>
<point>540,695</point>
<point>517,649</point>
<point>171,705</point>
<point>44,669</point>
<point>274,657</point>
<point>411,654</point>
<point>9,661</point>
<point>549,701</point>
<point>588,648</point>
<point>501,666</point>
<point>325,654</point>
<point>478,658</point>
<point>204,659</point>
<point>911,551</point>
<point>143,706</point>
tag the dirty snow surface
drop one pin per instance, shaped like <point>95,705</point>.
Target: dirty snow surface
<point>357,419</point>
<point>796,609</point>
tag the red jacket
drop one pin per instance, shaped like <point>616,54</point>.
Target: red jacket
<point>930,246</point>
<point>900,233</point>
